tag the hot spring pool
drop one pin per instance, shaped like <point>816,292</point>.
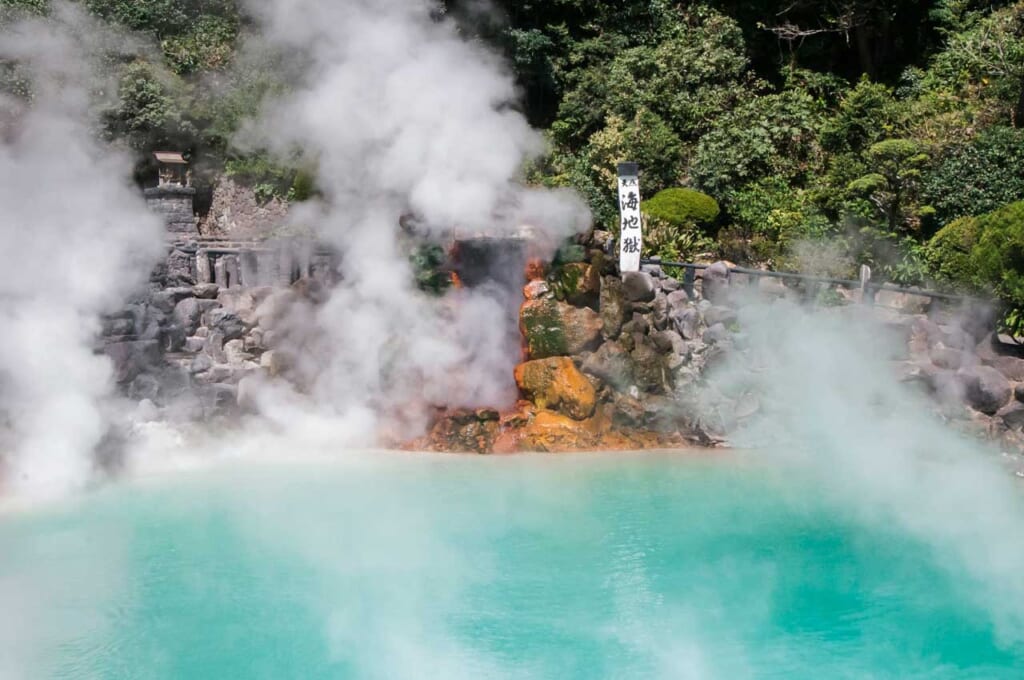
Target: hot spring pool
<point>399,566</point>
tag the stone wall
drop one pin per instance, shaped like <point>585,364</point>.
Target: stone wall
<point>175,205</point>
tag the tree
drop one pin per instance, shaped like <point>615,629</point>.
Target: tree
<point>896,168</point>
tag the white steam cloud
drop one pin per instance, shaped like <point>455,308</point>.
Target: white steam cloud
<point>834,413</point>
<point>74,237</point>
<point>404,115</point>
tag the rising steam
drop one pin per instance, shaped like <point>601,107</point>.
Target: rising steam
<point>404,115</point>
<point>75,237</point>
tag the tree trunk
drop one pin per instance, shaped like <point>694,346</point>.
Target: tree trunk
<point>1018,111</point>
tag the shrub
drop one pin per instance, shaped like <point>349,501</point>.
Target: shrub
<point>948,253</point>
<point>979,176</point>
<point>682,207</point>
<point>998,258</point>
<point>673,243</point>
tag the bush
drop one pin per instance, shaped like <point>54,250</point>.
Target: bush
<point>682,207</point>
<point>980,176</point>
<point>948,253</point>
<point>675,243</point>
<point>998,258</point>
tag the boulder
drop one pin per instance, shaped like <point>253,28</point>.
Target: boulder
<point>669,342</point>
<point>944,357</point>
<point>687,322</point>
<point>553,328</point>
<point>660,311</point>
<point>985,388</point>
<point>723,315</point>
<point>206,291</point>
<point>548,431</point>
<point>670,285</point>
<point>1012,415</point>
<point>612,364</point>
<point>133,358</point>
<point>638,286</point>
<point>535,290</point>
<point>234,352</point>
<point>275,308</point>
<point>1011,367</point>
<point>578,283</point>
<point>651,372</point>
<point>227,323</point>
<point>180,269</point>
<point>187,314</point>
<point>214,347</point>
<point>613,306</point>
<point>716,334</point>
<point>555,383</point>
<point>715,280</point>
<point>200,364</point>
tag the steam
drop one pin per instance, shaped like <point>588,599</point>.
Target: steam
<point>403,115</point>
<point>74,237</point>
<point>835,414</point>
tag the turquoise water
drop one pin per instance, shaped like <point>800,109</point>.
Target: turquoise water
<point>421,567</point>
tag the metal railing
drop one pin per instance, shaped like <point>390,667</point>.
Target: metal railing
<point>869,289</point>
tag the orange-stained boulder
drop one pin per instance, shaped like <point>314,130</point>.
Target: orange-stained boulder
<point>554,432</point>
<point>555,383</point>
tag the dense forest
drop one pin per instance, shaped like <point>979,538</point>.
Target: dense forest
<point>788,134</point>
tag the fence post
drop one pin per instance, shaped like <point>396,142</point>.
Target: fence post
<point>867,291</point>
<point>689,277</point>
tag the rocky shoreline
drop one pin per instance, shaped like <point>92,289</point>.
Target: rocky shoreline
<point>609,362</point>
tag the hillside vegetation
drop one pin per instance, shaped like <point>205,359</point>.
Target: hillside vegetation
<point>890,130</point>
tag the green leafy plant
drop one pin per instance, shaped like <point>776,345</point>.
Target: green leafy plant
<point>682,207</point>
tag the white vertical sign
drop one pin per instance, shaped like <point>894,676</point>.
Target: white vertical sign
<point>631,238</point>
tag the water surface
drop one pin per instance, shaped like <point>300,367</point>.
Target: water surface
<point>387,566</point>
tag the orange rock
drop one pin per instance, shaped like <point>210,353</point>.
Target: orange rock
<point>555,383</point>
<point>536,269</point>
<point>554,432</point>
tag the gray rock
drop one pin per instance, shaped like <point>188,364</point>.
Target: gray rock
<point>234,352</point>
<point>650,370</point>
<point>194,344</point>
<point>714,281</point>
<point>1011,367</point>
<point>200,364</point>
<point>144,386</point>
<point>944,357</point>
<point>187,314</point>
<point>613,306</point>
<point>722,315</point>
<point>1012,415</point>
<point>670,285</point>
<point>227,323</point>
<point>118,326</point>
<point>687,322</point>
<point>669,342</point>
<point>133,358</point>
<point>214,347</point>
<point>678,299</point>
<point>612,364</point>
<point>716,334</point>
<point>660,318</point>
<point>638,286</point>
<point>206,291</point>
<point>654,270</point>
<point>172,338</point>
<point>218,399</point>
<point>985,388</point>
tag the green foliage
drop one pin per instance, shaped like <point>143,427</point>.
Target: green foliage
<point>193,34</point>
<point>948,253</point>
<point>150,113</point>
<point>998,257</point>
<point>771,217</point>
<point>426,261</point>
<point>675,243</point>
<point>892,184</point>
<point>270,179</point>
<point>978,176</point>
<point>681,207</point>
<point>770,135</point>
